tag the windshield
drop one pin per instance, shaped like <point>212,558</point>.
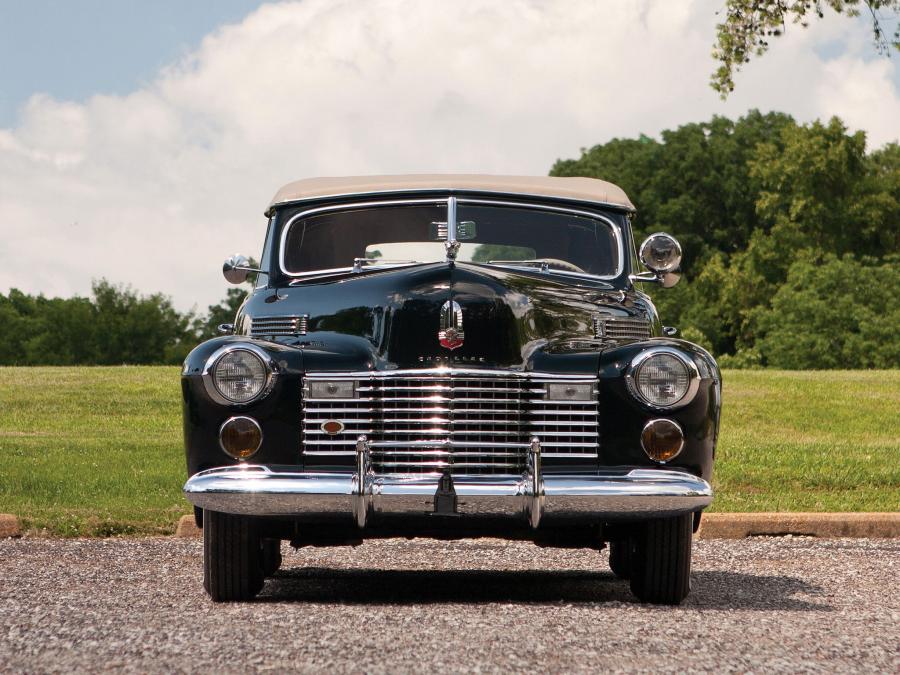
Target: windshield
<point>399,233</point>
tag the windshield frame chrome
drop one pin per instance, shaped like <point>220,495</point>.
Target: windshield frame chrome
<point>451,228</point>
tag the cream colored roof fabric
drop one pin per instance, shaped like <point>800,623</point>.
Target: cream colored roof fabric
<point>582,189</point>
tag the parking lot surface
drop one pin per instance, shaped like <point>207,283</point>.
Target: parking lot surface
<point>791,604</point>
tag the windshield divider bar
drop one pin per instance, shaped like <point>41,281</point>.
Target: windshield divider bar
<point>451,245</point>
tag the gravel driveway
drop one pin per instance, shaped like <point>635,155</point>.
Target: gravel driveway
<point>757,604</point>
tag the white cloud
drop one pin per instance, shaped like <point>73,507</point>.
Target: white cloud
<point>156,187</point>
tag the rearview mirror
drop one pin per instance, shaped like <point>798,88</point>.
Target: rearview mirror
<point>465,229</point>
<point>237,268</point>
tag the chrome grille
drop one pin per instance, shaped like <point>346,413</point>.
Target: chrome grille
<point>621,328</point>
<point>263,326</point>
<point>475,422</point>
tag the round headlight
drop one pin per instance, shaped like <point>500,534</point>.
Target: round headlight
<point>663,379</point>
<point>240,375</point>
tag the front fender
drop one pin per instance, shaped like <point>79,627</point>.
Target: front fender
<point>277,412</point>
<point>623,416</point>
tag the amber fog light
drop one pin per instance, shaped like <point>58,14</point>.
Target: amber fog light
<point>662,440</point>
<point>240,437</point>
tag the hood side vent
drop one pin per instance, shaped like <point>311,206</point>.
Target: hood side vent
<point>621,328</point>
<point>265,326</point>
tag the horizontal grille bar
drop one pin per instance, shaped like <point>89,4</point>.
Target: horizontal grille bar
<point>468,421</point>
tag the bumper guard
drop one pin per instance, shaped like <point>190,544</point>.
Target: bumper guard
<point>276,491</point>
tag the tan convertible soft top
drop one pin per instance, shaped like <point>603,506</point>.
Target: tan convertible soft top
<point>581,189</point>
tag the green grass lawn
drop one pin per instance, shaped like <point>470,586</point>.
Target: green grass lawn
<point>97,451</point>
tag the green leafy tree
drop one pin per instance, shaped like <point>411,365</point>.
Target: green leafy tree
<point>225,311</point>
<point>748,200</point>
<point>835,313</point>
<point>115,326</point>
<point>208,327</point>
<point>750,24</point>
<point>138,329</point>
<point>487,252</point>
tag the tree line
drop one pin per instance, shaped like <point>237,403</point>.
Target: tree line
<point>791,235</point>
<point>115,325</point>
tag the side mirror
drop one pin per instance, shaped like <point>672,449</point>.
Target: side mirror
<point>661,254</point>
<point>237,268</point>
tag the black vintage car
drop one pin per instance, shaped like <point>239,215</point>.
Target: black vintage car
<point>451,356</point>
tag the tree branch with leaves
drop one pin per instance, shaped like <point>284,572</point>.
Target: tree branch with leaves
<point>750,24</point>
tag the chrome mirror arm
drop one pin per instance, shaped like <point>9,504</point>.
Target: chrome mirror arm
<point>664,279</point>
<point>647,277</point>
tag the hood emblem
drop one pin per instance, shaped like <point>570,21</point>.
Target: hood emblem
<point>451,333</point>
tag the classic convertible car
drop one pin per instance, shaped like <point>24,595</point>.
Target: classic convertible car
<point>451,356</point>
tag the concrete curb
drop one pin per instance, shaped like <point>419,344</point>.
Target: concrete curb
<point>9,526</point>
<point>740,525</point>
<point>187,527</point>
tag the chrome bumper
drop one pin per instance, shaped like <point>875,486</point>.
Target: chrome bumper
<point>533,496</point>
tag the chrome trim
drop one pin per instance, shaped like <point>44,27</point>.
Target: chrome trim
<point>535,474</point>
<point>533,497</point>
<point>209,384</point>
<point>671,267</point>
<point>241,417</point>
<point>279,325</point>
<point>451,245</point>
<point>611,327</point>
<point>419,414</point>
<point>656,421</point>
<point>446,371</point>
<point>616,230</point>
<point>693,373</point>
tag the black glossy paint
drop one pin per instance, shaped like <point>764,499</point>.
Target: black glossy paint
<point>516,320</point>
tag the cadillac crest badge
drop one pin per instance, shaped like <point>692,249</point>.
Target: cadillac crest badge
<point>451,333</point>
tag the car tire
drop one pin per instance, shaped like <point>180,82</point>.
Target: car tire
<point>620,558</point>
<point>232,557</point>
<point>661,565</point>
<point>271,556</point>
<point>198,517</point>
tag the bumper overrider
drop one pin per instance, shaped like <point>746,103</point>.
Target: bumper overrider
<point>532,496</point>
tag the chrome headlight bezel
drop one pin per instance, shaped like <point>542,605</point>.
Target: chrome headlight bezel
<point>685,359</point>
<point>209,369</point>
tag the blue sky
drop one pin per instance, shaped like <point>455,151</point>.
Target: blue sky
<point>71,49</point>
<point>141,141</point>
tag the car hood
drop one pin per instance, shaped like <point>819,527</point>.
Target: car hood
<point>511,319</point>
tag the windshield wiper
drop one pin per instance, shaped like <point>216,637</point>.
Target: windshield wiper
<point>359,263</point>
<point>562,267</point>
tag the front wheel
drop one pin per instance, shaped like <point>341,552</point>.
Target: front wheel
<point>232,557</point>
<point>620,558</point>
<point>661,560</point>
<point>271,556</point>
